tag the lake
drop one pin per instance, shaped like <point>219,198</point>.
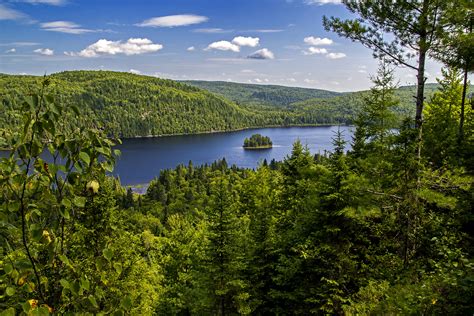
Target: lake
<point>143,158</point>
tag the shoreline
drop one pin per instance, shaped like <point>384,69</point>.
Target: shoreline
<point>232,130</point>
<point>219,131</point>
<point>258,147</point>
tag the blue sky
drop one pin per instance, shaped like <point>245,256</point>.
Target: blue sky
<point>252,41</point>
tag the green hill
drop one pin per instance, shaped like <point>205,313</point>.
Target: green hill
<point>308,105</point>
<point>266,95</point>
<point>129,105</point>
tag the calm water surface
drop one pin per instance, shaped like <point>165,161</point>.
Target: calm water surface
<point>143,158</point>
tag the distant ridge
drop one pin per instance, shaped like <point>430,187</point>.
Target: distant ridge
<point>257,94</point>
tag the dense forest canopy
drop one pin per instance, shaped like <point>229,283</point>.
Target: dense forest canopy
<point>254,94</point>
<point>384,228</point>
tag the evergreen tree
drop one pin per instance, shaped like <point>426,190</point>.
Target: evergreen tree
<point>225,251</point>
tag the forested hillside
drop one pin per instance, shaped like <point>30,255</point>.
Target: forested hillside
<point>129,105</point>
<point>311,105</point>
<point>261,95</point>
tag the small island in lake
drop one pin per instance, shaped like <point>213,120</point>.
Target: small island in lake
<point>257,141</point>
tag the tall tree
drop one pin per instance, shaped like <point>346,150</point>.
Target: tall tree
<point>457,50</point>
<point>376,117</point>
<point>404,32</point>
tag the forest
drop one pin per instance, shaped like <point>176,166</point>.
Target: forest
<point>383,227</point>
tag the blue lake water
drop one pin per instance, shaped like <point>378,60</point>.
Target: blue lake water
<point>143,158</point>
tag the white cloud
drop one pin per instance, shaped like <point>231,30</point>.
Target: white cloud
<point>19,44</point>
<point>258,80</point>
<point>191,49</point>
<point>291,79</point>
<point>317,41</point>
<point>315,50</point>
<point>173,20</point>
<point>247,71</point>
<point>65,24</point>
<point>362,71</point>
<point>64,27</point>
<point>7,13</point>
<point>263,53</point>
<point>50,2</point>
<point>134,71</point>
<point>246,41</point>
<point>44,51</point>
<point>322,2</point>
<point>212,30</point>
<point>12,50</point>
<point>335,55</point>
<point>223,45</point>
<point>133,46</point>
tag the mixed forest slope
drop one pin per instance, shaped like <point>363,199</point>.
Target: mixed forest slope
<point>311,105</point>
<point>129,105</point>
<point>262,95</point>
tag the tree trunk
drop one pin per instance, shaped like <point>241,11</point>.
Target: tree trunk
<point>463,102</point>
<point>420,97</point>
<point>420,89</point>
<point>464,89</point>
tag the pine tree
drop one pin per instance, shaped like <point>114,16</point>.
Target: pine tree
<point>225,251</point>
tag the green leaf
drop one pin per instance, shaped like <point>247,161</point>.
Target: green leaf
<point>65,283</point>
<point>65,213</point>
<point>8,268</point>
<point>118,267</point>
<point>66,202</point>
<point>109,167</point>
<point>85,157</point>
<point>26,307</point>
<point>126,303</point>
<point>79,201</point>
<point>10,291</point>
<point>93,301</point>
<point>107,254</point>
<point>85,284</point>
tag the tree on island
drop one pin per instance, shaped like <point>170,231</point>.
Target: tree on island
<point>258,141</point>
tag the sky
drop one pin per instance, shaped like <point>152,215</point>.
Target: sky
<point>279,42</point>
